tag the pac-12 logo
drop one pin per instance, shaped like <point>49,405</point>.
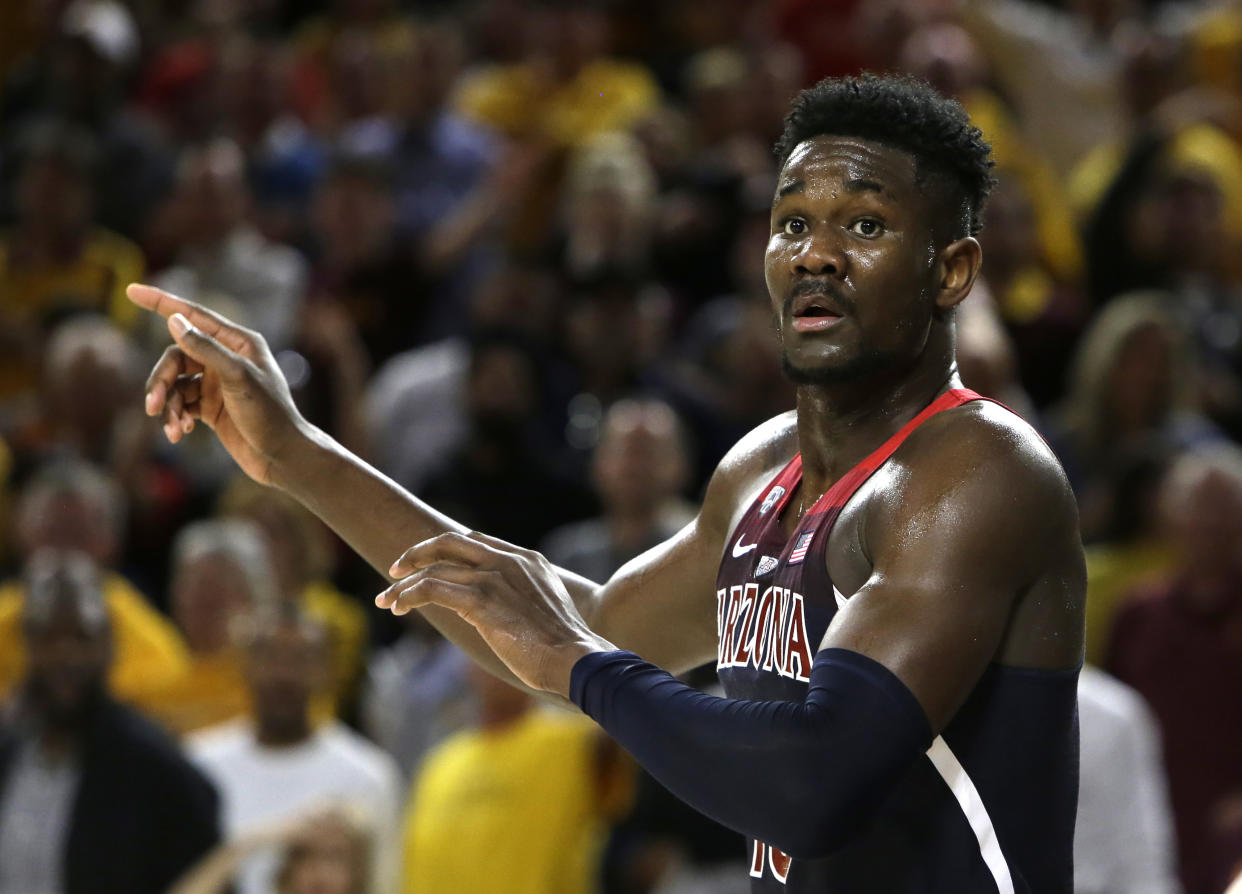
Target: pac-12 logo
<point>777,861</point>
<point>770,500</point>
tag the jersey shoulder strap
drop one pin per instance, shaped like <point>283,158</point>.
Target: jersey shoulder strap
<point>839,494</point>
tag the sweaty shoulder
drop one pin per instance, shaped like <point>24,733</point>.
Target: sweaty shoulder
<point>976,498</point>
<point>746,468</point>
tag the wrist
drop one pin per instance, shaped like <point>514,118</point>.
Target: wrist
<point>305,458</point>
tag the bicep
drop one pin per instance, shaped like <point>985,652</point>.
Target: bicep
<point>661,605</point>
<point>948,566</point>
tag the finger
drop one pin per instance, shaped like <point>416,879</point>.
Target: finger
<point>504,545</point>
<point>202,347</point>
<point>450,546</point>
<point>460,598</point>
<point>166,304</point>
<point>452,572</point>
<point>172,363</point>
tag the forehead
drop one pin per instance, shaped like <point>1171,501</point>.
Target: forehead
<point>830,162</point>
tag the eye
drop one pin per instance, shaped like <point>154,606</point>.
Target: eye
<point>867,228</point>
<point>794,226</point>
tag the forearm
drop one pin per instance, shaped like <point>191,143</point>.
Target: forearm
<point>380,520</point>
<point>801,777</point>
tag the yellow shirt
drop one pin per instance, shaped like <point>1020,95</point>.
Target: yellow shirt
<point>148,652</point>
<point>95,280</point>
<point>212,690</point>
<point>516,811</point>
<point>605,95</point>
<point>1113,573</point>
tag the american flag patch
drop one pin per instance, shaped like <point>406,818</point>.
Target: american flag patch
<point>800,548</point>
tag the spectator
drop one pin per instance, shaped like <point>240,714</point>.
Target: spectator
<point>221,573</point>
<point>415,404</point>
<point>80,75</point>
<point>567,89</point>
<point>219,258</point>
<point>92,797</point>
<point>72,506</point>
<point>498,480</point>
<point>532,789</point>
<point>639,470</point>
<point>276,764</point>
<point>1176,643</point>
<point>56,261</point>
<point>1132,381</point>
<point>301,552</point>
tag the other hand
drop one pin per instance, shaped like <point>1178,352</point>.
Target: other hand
<point>224,375</point>
<point>512,596</point>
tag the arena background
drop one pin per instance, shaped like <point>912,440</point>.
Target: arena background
<point>511,253</point>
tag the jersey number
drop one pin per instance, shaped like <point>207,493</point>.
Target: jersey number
<point>764,854</point>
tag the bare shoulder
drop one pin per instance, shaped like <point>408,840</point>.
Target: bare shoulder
<point>985,443</point>
<point>975,502</point>
<point>747,467</point>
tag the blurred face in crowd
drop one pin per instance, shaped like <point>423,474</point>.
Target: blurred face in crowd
<point>944,55</point>
<point>1140,383</point>
<point>603,328</point>
<point>212,192</point>
<point>1185,211</point>
<point>329,857</point>
<point>353,216</point>
<point>640,461</point>
<point>502,393</point>
<point>851,260</point>
<point>209,590</point>
<point>428,72</point>
<point>1010,235</point>
<point>68,644</point>
<point>286,663</point>
<point>89,384</point>
<point>62,518</point>
<point>54,198</point>
<point>1203,510</point>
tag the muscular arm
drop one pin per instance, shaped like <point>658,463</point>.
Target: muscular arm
<point>659,605</point>
<point>977,525</point>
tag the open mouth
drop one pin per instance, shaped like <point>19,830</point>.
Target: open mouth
<point>810,315</point>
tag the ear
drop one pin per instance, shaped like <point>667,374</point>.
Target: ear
<point>956,269</point>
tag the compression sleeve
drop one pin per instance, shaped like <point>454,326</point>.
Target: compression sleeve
<point>801,777</point>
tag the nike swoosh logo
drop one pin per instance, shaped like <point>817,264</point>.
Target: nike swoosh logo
<point>739,550</point>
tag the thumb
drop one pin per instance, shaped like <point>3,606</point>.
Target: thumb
<point>200,346</point>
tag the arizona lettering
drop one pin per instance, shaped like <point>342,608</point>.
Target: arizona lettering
<point>766,631</point>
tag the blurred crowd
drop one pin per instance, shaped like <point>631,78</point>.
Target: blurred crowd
<point>511,252</point>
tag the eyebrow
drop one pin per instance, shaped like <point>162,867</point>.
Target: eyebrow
<point>856,185</point>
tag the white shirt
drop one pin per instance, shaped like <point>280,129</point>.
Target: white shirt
<point>1123,840</point>
<point>260,785</point>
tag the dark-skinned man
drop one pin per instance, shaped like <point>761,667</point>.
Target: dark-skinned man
<point>890,578</point>
<point>94,799</point>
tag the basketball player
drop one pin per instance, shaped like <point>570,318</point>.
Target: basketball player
<point>889,578</point>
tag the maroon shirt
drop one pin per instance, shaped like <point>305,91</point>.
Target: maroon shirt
<point>1187,663</point>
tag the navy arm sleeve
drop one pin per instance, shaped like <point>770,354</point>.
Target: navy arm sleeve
<point>801,777</point>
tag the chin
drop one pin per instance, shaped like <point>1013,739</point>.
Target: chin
<point>827,373</point>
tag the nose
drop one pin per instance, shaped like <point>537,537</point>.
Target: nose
<point>820,254</point>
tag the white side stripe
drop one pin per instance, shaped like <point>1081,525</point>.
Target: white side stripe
<point>954,775</point>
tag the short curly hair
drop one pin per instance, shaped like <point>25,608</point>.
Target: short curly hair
<point>904,113</point>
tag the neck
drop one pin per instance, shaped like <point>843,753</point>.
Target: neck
<point>838,425</point>
<point>633,527</point>
<point>497,716</point>
<point>284,734</point>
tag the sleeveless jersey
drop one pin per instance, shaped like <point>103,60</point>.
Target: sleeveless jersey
<point>991,806</point>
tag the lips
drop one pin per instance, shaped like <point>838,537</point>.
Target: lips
<point>814,311</point>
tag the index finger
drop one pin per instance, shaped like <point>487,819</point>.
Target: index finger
<point>450,546</point>
<point>224,330</point>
